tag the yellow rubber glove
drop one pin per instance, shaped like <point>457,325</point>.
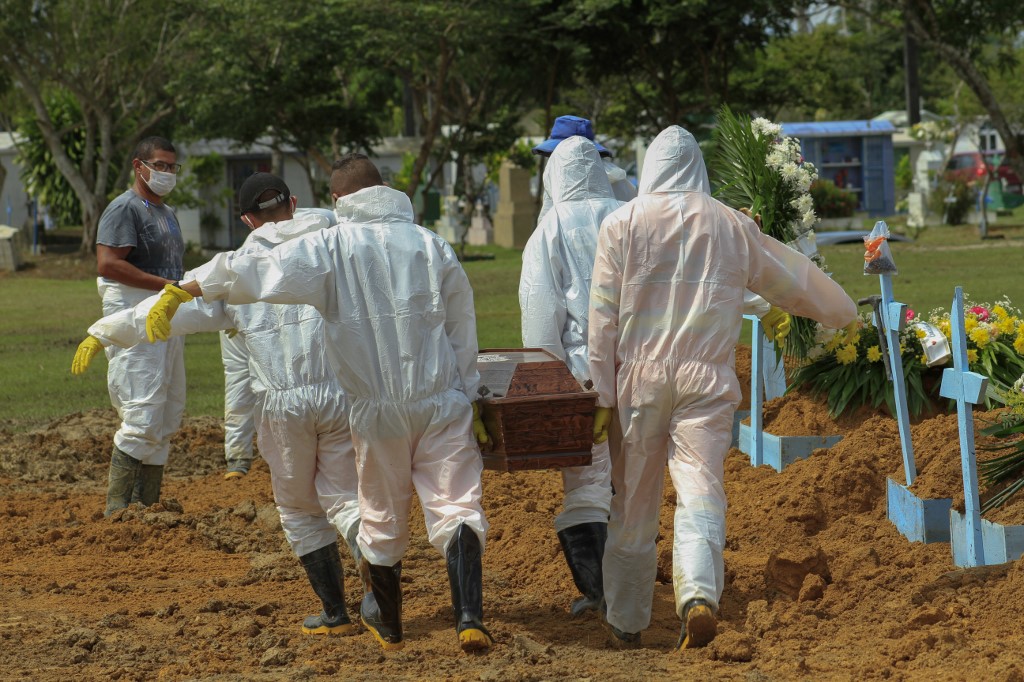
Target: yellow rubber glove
<point>158,322</point>
<point>87,350</point>
<point>851,332</point>
<point>755,218</point>
<point>232,333</point>
<point>776,324</point>
<point>602,420</point>
<point>479,430</point>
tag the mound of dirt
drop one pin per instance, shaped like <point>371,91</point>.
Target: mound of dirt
<point>203,586</point>
<point>76,449</point>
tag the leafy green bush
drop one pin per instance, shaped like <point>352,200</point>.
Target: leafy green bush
<point>403,177</point>
<point>831,201</point>
<point>520,154</point>
<point>904,174</point>
<point>960,195</point>
<point>43,181</point>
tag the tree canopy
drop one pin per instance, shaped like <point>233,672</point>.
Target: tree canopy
<point>319,78</point>
<point>113,59</point>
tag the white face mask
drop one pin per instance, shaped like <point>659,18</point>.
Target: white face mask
<point>161,183</point>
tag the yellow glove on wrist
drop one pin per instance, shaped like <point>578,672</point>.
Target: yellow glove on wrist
<point>776,324</point>
<point>602,419</point>
<point>479,430</point>
<point>158,321</point>
<point>755,218</point>
<point>87,350</point>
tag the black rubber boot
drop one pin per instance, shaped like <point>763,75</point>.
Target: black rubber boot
<point>323,568</point>
<point>147,484</point>
<point>583,546</point>
<point>465,576</point>
<point>125,471</point>
<point>620,639</point>
<point>381,610</point>
<point>699,625</point>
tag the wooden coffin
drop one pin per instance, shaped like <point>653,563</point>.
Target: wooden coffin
<point>537,414</point>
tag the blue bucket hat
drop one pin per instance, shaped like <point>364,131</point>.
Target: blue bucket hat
<point>567,126</point>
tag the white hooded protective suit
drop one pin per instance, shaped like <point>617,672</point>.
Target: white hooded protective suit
<point>239,400</point>
<point>401,334</point>
<point>300,410</point>
<point>239,403</point>
<point>622,189</point>
<point>554,295</point>
<point>667,293</point>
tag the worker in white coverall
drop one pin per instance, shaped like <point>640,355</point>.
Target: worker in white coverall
<point>666,298</point>
<point>239,399</point>
<point>139,249</point>
<point>300,409</point>
<point>401,333</point>
<point>565,127</point>
<point>554,295</point>
<point>239,404</point>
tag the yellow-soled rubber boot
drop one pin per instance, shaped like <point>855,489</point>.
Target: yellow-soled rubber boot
<point>465,578</point>
<point>474,639</point>
<point>621,640</point>
<point>381,610</point>
<point>699,625</point>
<point>232,475</point>
<point>323,568</point>
<point>321,625</point>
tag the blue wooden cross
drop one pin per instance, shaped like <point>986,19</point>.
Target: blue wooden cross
<point>767,381</point>
<point>967,388</point>
<point>895,315</point>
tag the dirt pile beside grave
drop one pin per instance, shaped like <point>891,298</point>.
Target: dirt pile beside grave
<point>203,585</point>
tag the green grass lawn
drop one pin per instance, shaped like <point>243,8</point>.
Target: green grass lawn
<point>42,319</point>
<point>929,268</point>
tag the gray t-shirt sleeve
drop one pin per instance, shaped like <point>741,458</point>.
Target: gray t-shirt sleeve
<point>117,225</point>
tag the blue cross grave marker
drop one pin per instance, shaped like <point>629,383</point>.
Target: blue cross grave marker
<point>894,316</point>
<point>967,388</point>
<point>767,381</point>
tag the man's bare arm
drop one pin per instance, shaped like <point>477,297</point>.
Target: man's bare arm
<point>111,263</point>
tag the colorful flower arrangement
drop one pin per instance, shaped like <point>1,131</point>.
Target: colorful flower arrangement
<point>755,166</point>
<point>853,374</point>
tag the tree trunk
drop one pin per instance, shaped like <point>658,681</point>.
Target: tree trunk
<point>436,109</point>
<point>91,212</point>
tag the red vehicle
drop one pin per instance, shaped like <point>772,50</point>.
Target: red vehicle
<point>971,167</point>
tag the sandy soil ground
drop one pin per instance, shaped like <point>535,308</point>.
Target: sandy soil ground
<point>202,586</point>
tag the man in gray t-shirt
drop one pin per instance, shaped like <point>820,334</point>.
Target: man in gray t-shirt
<point>139,249</point>
<point>150,229</point>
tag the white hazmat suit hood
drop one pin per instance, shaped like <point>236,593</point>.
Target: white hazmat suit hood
<point>666,302</point>
<point>673,164</point>
<point>558,260</point>
<point>621,188</point>
<point>554,295</point>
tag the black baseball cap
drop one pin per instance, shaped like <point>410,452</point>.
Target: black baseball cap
<point>255,185</point>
